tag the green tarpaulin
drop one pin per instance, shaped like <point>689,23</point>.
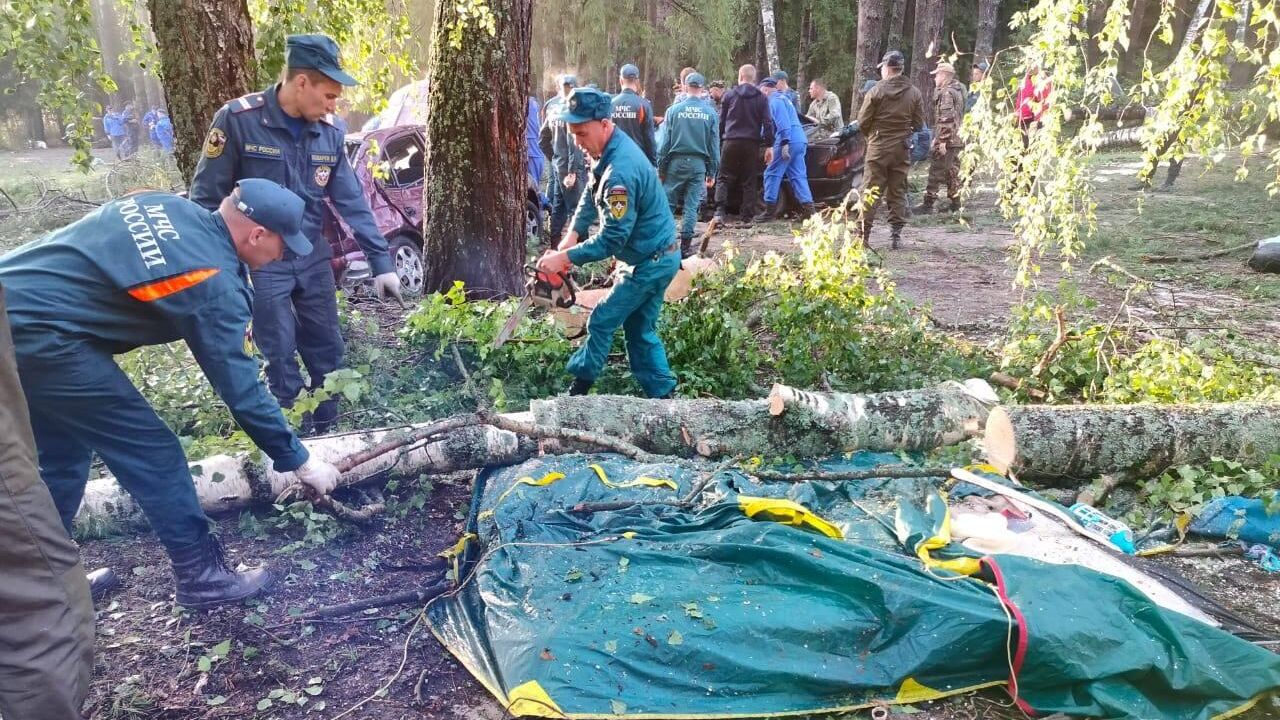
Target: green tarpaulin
<point>794,598</point>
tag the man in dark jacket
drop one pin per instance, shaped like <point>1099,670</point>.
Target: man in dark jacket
<point>632,113</point>
<point>890,114</point>
<point>745,128</point>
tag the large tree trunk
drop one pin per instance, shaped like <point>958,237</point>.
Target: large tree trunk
<point>230,482</point>
<point>206,59</point>
<point>1093,22</point>
<point>474,197</point>
<point>897,16</point>
<point>791,422</point>
<point>985,39</point>
<point>1198,21</point>
<point>1088,441</point>
<point>1138,36</point>
<point>870,30</point>
<point>770,29</point>
<point>804,50</point>
<point>927,45</point>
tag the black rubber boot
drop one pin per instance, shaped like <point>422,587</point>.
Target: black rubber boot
<point>895,237</point>
<point>580,386</point>
<point>205,580</point>
<point>770,212</point>
<point>102,582</point>
<point>686,247</point>
<point>807,211</point>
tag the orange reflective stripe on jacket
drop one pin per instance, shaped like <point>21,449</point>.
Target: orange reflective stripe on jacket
<point>164,288</point>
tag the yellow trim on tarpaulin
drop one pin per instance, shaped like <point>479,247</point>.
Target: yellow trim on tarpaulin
<point>642,481</point>
<point>530,700</point>
<point>961,565</point>
<point>1243,708</point>
<point>786,512</point>
<point>912,691</point>
<point>453,553</point>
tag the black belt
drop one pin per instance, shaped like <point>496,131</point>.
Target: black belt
<point>674,246</point>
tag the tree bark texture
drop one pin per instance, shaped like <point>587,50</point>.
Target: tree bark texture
<point>229,482</point>
<point>807,424</point>
<point>804,51</point>
<point>206,59</point>
<point>474,196</point>
<point>1198,21</point>
<point>1088,441</point>
<point>985,39</point>
<point>926,46</point>
<point>770,28</point>
<point>870,30</point>
<point>897,16</point>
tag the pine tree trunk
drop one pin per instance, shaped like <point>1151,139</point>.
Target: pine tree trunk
<point>1138,36</point>
<point>206,59</point>
<point>897,16</point>
<point>870,30</point>
<point>927,45</point>
<point>474,197</point>
<point>1088,441</point>
<point>804,50</point>
<point>984,42</point>
<point>770,29</point>
<point>1094,20</point>
<point>790,422</point>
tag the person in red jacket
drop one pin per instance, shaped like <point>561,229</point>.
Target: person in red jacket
<point>1033,100</point>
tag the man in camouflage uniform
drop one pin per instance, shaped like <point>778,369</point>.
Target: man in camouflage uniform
<point>891,113</point>
<point>944,163</point>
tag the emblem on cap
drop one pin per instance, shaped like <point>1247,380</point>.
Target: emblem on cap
<point>215,143</point>
<point>617,199</point>
<point>322,175</point>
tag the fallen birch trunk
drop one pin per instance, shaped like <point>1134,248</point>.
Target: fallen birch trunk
<point>229,482</point>
<point>791,422</point>
<point>1088,441</point>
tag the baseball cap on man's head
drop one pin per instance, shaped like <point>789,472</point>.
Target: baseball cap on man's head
<point>276,208</point>
<point>983,65</point>
<point>570,80</point>
<point>587,104</point>
<point>893,59</point>
<point>695,80</point>
<point>944,67</point>
<point>780,75</point>
<point>318,52</point>
<point>629,72</point>
<point>769,83</point>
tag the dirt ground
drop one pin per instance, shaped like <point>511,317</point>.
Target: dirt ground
<point>157,663</point>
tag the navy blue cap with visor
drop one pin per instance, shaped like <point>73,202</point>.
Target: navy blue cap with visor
<point>587,104</point>
<point>695,80</point>
<point>276,208</point>
<point>768,82</point>
<point>630,72</point>
<point>318,52</point>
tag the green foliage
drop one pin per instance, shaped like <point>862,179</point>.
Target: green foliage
<point>1187,489</point>
<point>53,45</point>
<point>471,15</point>
<point>375,37</point>
<point>317,528</point>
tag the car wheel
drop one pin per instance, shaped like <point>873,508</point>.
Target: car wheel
<point>533,222</point>
<point>408,262</point>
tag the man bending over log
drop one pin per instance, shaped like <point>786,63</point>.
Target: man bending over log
<point>149,269</point>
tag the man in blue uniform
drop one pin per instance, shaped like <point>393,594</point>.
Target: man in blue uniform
<point>537,161</point>
<point>149,269</point>
<point>288,134</point>
<point>636,227</point>
<point>689,158</point>
<point>785,160</point>
<point>164,131</point>
<point>632,112</point>
<point>113,125</point>
<point>570,167</point>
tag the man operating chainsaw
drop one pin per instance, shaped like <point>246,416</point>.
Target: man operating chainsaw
<point>636,227</point>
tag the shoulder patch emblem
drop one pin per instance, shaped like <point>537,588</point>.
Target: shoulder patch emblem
<point>322,175</point>
<point>617,197</point>
<point>215,143</point>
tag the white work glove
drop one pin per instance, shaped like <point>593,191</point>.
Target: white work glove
<point>786,153</point>
<point>318,475</point>
<point>388,285</point>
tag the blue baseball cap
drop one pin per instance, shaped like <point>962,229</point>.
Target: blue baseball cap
<point>318,52</point>
<point>769,83</point>
<point>695,80</point>
<point>587,104</point>
<point>571,80</point>
<point>780,75</point>
<point>630,72</point>
<point>276,208</point>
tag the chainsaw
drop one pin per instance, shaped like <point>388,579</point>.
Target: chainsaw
<point>548,290</point>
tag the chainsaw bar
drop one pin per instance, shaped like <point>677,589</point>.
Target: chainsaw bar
<point>513,322</point>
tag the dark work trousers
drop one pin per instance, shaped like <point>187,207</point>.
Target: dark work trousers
<point>46,616</point>
<point>295,312</point>
<point>564,203</point>
<point>740,170</point>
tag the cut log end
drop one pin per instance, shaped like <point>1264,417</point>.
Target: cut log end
<point>778,399</point>
<point>999,441</point>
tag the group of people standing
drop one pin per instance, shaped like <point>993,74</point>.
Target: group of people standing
<point>124,129</point>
